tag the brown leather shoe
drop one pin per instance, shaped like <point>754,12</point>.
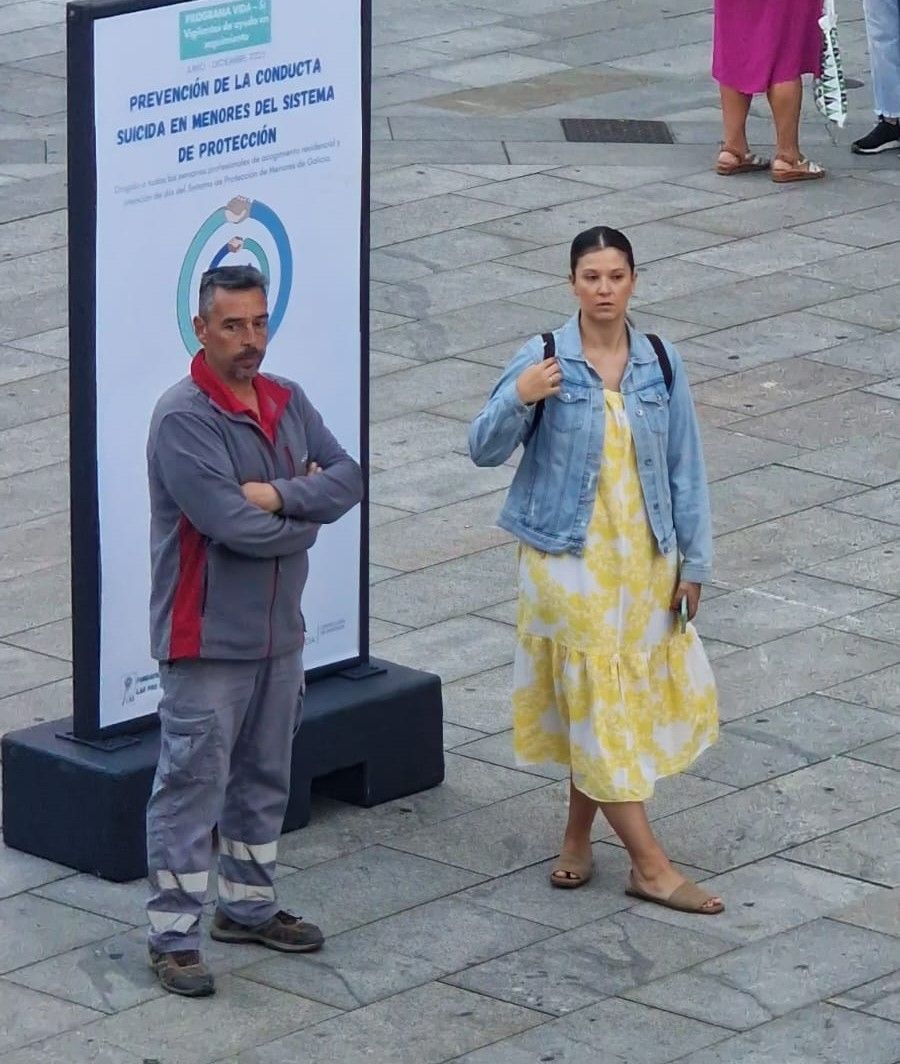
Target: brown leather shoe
<point>183,972</point>
<point>283,932</point>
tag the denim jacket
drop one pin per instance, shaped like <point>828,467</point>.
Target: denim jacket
<point>551,498</point>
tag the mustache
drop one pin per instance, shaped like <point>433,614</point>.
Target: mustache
<point>250,352</point>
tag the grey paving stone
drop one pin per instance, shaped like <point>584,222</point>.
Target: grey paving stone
<point>818,1034</point>
<point>527,892</point>
<point>878,310</point>
<point>879,912</point>
<point>503,611</point>
<point>34,545</point>
<point>880,997</point>
<point>413,437</point>
<point>773,491</point>
<point>438,1023</point>
<point>880,622</point>
<point>34,398</point>
<point>498,750</point>
<point>778,608</point>
<point>465,248</point>
<point>889,388</point>
<point>125,902</point>
<point>54,64</point>
<point>862,459</point>
<point>826,422</point>
<point>410,25</point>
<point>756,256</point>
<point>21,670</point>
<point>877,568</point>
<point>436,214</point>
<point>879,690</point>
<point>407,391</point>
<point>439,481</point>
<point>24,238</point>
<point>381,319</point>
<point>777,547</point>
<point>377,573</point>
<point>440,535</point>
<point>16,365</point>
<point>241,1015</point>
<point>749,300</point>
<point>777,385</point>
<point>448,589</point>
<point>675,277</point>
<point>26,1016</point>
<point>782,336</point>
<point>767,979</point>
<point>50,702</point>
<point>389,153</point>
<point>770,817</point>
<point>20,151</point>
<point>484,70</point>
<point>862,229</point>
<point>757,216</point>
<point>577,968</point>
<point>51,930</point>
<point>859,851</point>
<point>444,335</point>
<point>465,287</point>
<point>871,354</point>
<point>405,184</point>
<point>873,268</point>
<point>383,515</point>
<point>532,191</point>
<point>741,762</point>
<point>454,648</point>
<point>768,897</point>
<point>20,871</point>
<point>481,701</point>
<point>455,735</point>
<point>630,208</point>
<point>624,1032</point>
<point>360,888</point>
<point>381,364</point>
<point>768,675</point>
<point>27,93</point>
<point>884,752</point>
<point>27,43</point>
<point>29,497</point>
<point>108,976</point>
<point>53,342</point>
<point>471,42</point>
<point>388,92</point>
<point>882,504</point>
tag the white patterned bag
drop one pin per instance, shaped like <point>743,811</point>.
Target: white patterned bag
<point>830,88</point>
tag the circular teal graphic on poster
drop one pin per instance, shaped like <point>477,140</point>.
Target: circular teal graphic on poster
<point>226,221</point>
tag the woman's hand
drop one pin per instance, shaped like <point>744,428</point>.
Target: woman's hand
<point>691,591</point>
<point>539,381</point>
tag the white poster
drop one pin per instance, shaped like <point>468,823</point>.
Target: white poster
<point>226,133</point>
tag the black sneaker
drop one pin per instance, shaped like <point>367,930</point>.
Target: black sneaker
<point>182,972</point>
<point>884,136</point>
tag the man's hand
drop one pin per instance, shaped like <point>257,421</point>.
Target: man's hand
<point>313,468</point>
<point>691,591</point>
<point>262,495</point>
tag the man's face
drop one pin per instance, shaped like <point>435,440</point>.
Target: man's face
<point>234,333</point>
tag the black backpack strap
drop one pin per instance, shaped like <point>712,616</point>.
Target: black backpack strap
<point>662,356</point>
<point>549,352</point>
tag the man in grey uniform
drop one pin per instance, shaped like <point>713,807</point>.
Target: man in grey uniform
<point>242,474</point>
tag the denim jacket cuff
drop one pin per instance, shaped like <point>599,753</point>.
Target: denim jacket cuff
<point>695,574</point>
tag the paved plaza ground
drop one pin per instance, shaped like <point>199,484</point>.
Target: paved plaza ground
<point>445,939</point>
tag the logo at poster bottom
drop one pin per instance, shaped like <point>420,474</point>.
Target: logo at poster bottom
<point>225,221</point>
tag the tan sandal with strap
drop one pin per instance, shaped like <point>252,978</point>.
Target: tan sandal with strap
<point>739,162</point>
<point>571,872</point>
<point>801,169</point>
<point>687,898</point>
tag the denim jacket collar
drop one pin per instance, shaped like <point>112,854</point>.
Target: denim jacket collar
<point>568,343</point>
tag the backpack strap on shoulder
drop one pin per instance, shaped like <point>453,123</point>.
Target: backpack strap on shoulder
<point>549,352</point>
<point>662,356</point>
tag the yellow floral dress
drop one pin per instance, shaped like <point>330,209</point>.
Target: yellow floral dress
<point>604,680</point>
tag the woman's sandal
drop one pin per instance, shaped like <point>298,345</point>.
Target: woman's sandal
<point>687,898</point>
<point>739,162</point>
<point>801,169</point>
<point>570,871</point>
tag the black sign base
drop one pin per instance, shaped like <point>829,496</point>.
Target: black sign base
<point>83,806</point>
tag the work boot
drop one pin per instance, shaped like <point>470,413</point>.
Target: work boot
<point>183,972</point>
<point>283,932</point>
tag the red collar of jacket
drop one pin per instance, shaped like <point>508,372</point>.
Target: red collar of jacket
<point>271,396</point>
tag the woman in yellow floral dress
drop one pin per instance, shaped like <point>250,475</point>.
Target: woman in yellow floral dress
<point>610,505</point>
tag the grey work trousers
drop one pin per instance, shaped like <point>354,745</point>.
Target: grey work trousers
<point>227,729</point>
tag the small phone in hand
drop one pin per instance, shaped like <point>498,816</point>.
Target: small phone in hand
<point>683,614</point>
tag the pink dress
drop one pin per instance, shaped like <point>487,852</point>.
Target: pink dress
<point>759,43</point>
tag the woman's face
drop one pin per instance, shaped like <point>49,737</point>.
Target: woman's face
<point>603,283</point>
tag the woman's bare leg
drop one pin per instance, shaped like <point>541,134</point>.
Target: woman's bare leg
<point>785,99</point>
<point>652,870</point>
<point>577,840</point>
<point>735,108</point>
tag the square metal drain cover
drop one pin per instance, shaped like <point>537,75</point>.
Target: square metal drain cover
<point>616,131</point>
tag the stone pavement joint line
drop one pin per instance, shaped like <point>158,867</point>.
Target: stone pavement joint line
<point>445,941</point>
